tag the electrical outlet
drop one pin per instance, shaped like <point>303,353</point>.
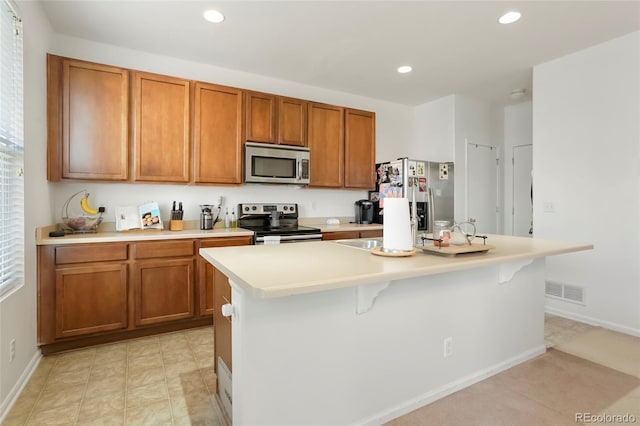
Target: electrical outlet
<point>447,347</point>
<point>12,350</point>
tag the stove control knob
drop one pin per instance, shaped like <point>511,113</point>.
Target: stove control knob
<point>246,209</point>
<point>254,208</point>
<point>292,208</point>
<point>286,208</point>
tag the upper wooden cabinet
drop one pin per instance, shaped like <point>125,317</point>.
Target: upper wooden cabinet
<point>292,121</point>
<point>359,149</point>
<point>260,111</point>
<point>112,124</point>
<point>88,120</point>
<point>275,119</point>
<point>161,128</point>
<point>326,145</point>
<point>217,134</point>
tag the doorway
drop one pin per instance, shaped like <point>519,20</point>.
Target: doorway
<point>522,211</point>
<point>481,194</point>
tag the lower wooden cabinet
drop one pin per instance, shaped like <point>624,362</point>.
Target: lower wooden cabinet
<point>207,278</point>
<point>90,299</point>
<point>345,235</point>
<point>103,292</point>
<point>222,324</point>
<point>163,290</point>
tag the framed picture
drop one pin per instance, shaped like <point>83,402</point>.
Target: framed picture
<point>374,196</point>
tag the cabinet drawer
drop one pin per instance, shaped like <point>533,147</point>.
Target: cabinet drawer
<point>226,242</point>
<point>371,233</point>
<point>153,249</point>
<point>90,253</point>
<point>340,235</point>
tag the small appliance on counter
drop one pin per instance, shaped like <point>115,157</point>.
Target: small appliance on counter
<point>206,217</point>
<point>364,211</point>
<point>277,222</point>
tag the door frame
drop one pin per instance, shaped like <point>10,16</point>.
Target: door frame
<point>498,181</point>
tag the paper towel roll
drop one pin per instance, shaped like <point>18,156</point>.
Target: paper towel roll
<point>396,226</point>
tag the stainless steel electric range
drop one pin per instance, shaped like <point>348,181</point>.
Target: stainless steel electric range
<point>278,220</point>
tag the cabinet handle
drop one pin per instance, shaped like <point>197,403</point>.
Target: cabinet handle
<point>227,310</point>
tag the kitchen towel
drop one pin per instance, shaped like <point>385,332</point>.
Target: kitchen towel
<point>396,225</point>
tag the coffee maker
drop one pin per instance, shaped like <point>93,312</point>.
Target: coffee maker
<point>364,211</point>
<point>206,217</point>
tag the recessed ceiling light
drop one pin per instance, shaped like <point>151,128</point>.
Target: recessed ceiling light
<point>509,17</point>
<point>404,69</point>
<point>213,16</point>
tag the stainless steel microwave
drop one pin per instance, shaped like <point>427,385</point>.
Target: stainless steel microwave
<point>267,163</point>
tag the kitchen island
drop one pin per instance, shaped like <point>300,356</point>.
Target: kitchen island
<point>324,333</point>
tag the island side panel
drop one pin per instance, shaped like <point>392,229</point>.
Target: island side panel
<point>310,359</point>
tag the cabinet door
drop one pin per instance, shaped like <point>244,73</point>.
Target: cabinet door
<point>206,272</point>
<point>260,117</point>
<point>326,145</point>
<point>161,128</point>
<point>163,290</point>
<point>92,122</point>
<point>292,121</point>
<point>217,134</point>
<point>222,324</point>
<point>90,299</point>
<point>359,149</point>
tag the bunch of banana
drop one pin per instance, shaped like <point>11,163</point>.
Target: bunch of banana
<point>84,204</point>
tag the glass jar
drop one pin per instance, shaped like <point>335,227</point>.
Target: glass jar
<point>441,233</point>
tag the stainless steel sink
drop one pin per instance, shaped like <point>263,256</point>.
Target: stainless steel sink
<point>361,243</point>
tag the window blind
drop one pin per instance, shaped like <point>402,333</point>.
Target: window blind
<point>11,151</point>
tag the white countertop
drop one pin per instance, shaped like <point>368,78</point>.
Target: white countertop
<point>288,269</point>
<point>107,233</point>
<point>110,235</point>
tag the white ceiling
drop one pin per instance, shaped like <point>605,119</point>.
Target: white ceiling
<point>355,47</point>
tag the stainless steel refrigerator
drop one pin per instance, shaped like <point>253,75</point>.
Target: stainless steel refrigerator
<point>431,182</point>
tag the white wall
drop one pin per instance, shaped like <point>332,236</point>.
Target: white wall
<point>18,312</point>
<point>517,131</point>
<point>478,122</point>
<point>586,144</point>
<point>434,130</point>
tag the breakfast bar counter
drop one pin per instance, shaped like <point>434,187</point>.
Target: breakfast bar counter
<point>286,269</point>
<point>324,333</point>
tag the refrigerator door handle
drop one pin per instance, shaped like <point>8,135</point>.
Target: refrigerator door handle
<point>431,210</point>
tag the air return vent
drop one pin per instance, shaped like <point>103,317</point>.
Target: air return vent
<point>566,292</point>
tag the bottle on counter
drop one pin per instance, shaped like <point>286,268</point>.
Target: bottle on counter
<point>227,219</point>
<point>234,221</point>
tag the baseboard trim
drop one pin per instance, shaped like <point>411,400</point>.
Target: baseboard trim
<point>17,389</point>
<point>449,388</point>
<point>593,321</point>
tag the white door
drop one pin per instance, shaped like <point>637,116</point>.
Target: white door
<point>522,206</point>
<point>482,187</point>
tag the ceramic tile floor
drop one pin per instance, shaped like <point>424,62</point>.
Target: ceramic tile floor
<point>169,380</point>
<point>163,380</point>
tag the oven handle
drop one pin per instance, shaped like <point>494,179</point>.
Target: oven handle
<point>294,237</point>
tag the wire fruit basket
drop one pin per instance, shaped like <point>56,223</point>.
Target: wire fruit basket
<point>83,220</point>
